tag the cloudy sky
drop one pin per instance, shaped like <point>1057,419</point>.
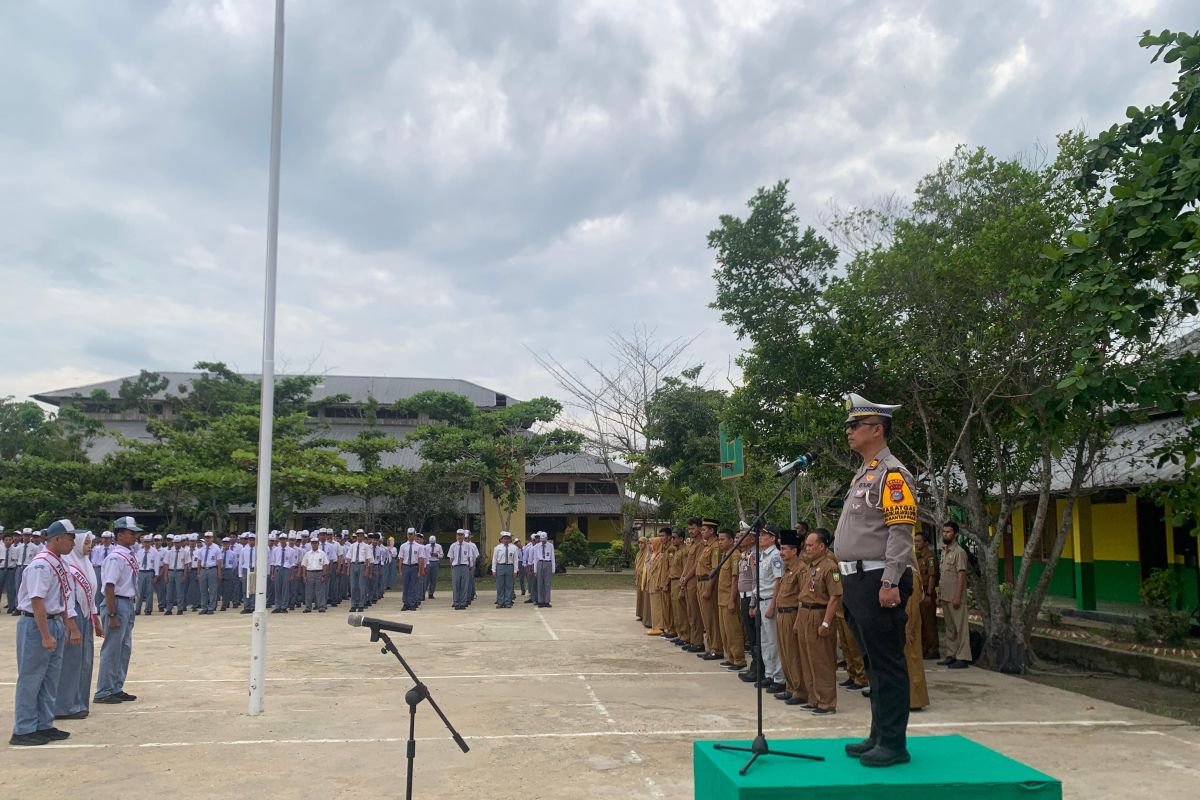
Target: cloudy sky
<point>462,179</point>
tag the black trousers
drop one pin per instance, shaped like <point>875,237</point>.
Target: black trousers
<point>879,633</point>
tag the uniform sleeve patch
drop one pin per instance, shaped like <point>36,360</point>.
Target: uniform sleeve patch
<point>899,505</point>
<point>837,576</point>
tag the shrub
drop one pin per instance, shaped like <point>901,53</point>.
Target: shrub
<point>1172,627</point>
<point>1054,617</point>
<point>613,559</point>
<point>1143,631</point>
<point>1160,589</point>
<point>574,549</point>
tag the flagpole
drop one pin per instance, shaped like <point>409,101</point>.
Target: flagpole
<point>266,424</point>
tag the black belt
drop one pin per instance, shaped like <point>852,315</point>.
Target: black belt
<point>315,570</point>
<point>703,578</point>
<point>788,610</point>
<point>48,616</point>
<point>147,570</point>
<point>815,606</point>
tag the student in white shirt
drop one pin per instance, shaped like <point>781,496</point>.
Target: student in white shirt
<point>118,576</point>
<point>506,558</point>
<point>312,568</point>
<point>75,678</point>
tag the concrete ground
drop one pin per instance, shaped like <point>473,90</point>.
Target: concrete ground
<point>567,702</point>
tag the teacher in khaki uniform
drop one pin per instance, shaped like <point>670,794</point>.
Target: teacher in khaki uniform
<point>710,617</point>
<point>874,545</point>
<point>820,595</point>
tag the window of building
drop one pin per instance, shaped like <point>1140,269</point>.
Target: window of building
<point>586,487</point>
<point>541,487</point>
<point>474,487</point>
<point>391,413</point>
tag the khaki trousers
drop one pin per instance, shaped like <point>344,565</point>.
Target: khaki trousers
<point>733,634</point>
<point>789,654</point>
<point>958,634</point>
<point>679,616</point>
<point>818,658</point>
<point>711,620</point>
<point>695,621</point>
<point>918,691</point>
<point>854,660</point>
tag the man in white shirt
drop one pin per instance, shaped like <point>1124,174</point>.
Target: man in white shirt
<point>506,557</point>
<point>474,553</point>
<point>209,564</point>
<point>433,556</point>
<point>45,627</point>
<point>118,576</point>
<point>278,576</point>
<point>8,571</point>
<point>528,564</point>
<point>312,568</point>
<point>460,558</point>
<point>247,566</point>
<point>160,577</point>
<point>147,559</point>
<point>545,568</point>
<point>412,562</point>
<point>358,563</point>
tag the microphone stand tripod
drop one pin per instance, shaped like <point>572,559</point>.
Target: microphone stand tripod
<point>413,697</point>
<point>759,746</point>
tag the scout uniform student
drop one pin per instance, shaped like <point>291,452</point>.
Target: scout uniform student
<point>709,557</point>
<point>927,571</point>
<point>118,574</point>
<point>666,544</point>
<point>45,627</point>
<point>953,596</point>
<point>506,558</point>
<point>820,594</point>
<point>732,634</point>
<point>874,547</point>
<point>785,605</point>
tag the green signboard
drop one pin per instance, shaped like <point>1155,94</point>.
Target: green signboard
<point>732,463</point>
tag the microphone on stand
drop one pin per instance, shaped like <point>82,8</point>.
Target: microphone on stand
<point>376,625</point>
<point>802,462</point>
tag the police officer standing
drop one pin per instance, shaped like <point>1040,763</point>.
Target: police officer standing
<point>874,546</point>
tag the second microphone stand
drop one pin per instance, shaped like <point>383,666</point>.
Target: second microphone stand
<point>759,746</point>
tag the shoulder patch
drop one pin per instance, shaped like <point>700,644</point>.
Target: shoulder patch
<point>899,505</point>
<point>777,563</point>
<point>837,576</point>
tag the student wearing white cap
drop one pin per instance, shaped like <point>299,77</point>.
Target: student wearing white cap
<point>208,560</point>
<point>460,559</point>
<point>412,562</point>
<point>160,583</point>
<point>75,679</point>
<point>46,597</point>
<point>506,557</point>
<point>312,569</point>
<point>358,564</point>
<point>118,577</point>
<point>176,563</point>
<point>231,587</point>
<point>193,574</point>
<point>544,556</point>
<point>278,575</point>
<point>247,566</point>
<point>473,551</point>
<point>147,560</point>
<point>528,565</point>
<point>433,556</point>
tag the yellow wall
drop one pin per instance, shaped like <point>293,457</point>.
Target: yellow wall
<point>1114,530</point>
<point>493,522</point>
<point>1018,523</point>
<point>600,530</point>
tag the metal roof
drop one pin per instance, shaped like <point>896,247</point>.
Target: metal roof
<point>1127,461</point>
<point>359,387</point>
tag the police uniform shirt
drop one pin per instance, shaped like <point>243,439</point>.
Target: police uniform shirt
<point>315,560</point>
<point>505,554</point>
<point>878,516</point>
<point>120,570</point>
<point>46,577</point>
<point>770,570</point>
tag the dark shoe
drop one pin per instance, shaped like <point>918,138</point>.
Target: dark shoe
<point>958,663</point>
<point>774,688</point>
<point>796,701</point>
<point>847,682</point>
<point>783,696</point>
<point>548,605</point>
<point>694,648</point>
<point>710,657</point>
<point>76,715</point>
<point>746,676</point>
<point>309,610</point>
<point>822,712</point>
<point>765,683</point>
<point>880,756</point>
<point>851,686</point>
<point>530,600</point>
<point>27,739</point>
<point>929,656</point>
<point>246,611</point>
<point>320,611</point>
<point>167,613</point>
<point>726,663</point>
<point>945,662</point>
<point>126,696</point>
<point>53,734</point>
<point>856,749</point>
<point>866,693</point>
<point>111,700</point>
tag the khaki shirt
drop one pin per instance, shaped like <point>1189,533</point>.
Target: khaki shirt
<point>821,582</point>
<point>710,554</point>
<point>788,595</point>
<point>954,561</point>
<point>927,565</point>
<point>878,515</point>
<point>727,577</point>
<point>678,556</point>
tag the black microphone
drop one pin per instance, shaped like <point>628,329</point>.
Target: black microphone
<point>359,621</point>
<point>803,462</point>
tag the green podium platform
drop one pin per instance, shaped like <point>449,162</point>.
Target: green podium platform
<point>941,767</point>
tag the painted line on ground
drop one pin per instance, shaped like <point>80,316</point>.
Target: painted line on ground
<point>549,630</point>
<point>468,676</point>
<point>596,704</point>
<point>746,731</point>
